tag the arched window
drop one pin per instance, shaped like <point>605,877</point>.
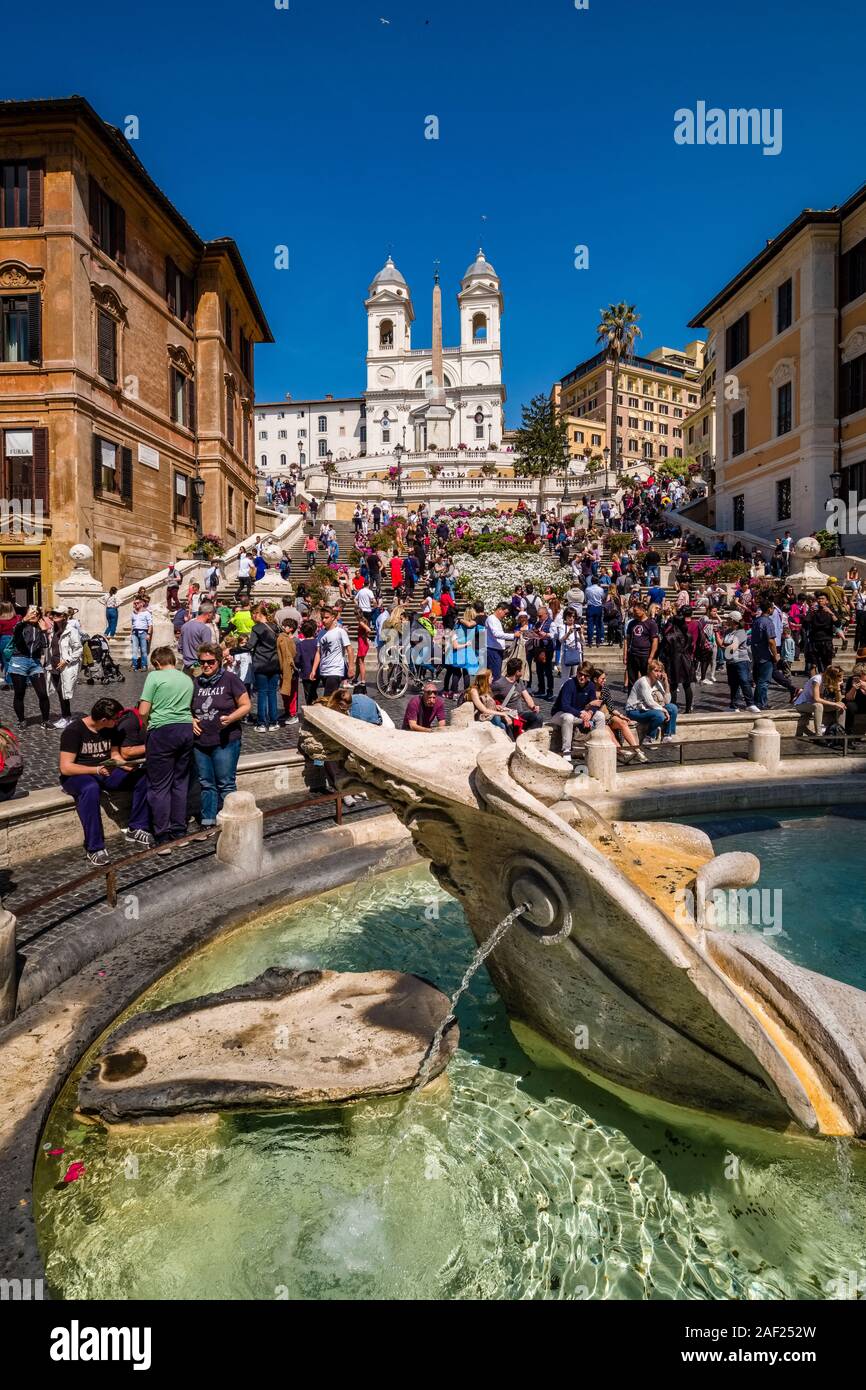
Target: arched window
<point>479,328</point>
<point>302,459</point>
<point>425,381</point>
<point>386,333</point>
<point>264,460</point>
<point>282,460</point>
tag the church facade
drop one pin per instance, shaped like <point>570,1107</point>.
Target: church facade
<point>427,400</point>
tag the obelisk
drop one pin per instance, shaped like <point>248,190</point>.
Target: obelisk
<point>437,393</point>
<point>436,411</point>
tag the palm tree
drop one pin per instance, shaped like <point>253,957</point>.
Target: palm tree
<point>617,332</point>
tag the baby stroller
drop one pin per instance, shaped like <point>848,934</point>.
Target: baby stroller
<point>102,667</point>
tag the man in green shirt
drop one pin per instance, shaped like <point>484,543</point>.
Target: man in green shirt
<point>242,622</point>
<point>225,612</point>
<point>165,709</point>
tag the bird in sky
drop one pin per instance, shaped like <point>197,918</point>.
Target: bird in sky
<point>384,21</point>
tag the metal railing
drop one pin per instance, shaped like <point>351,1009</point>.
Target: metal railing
<point>110,871</point>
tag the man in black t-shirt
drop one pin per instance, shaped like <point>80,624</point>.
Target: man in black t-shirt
<point>88,748</point>
<point>640,644</point>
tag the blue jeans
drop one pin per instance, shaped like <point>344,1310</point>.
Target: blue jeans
<point>494,663</point>
<point>594,625</point>
<point>5,658</point>
<point>266,697</point>
<point>739,679</point>
<point>763,674</point>
<point>654,719</point>
<point>217,774</point>
<point>139,650</point>
<point>110,622</point>
<point>653,574</point>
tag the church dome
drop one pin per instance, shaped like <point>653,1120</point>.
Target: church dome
<point>480,269</point>
<point>388,275</point>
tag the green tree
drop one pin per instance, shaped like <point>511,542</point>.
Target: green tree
<point>617,331</point>
<point>541,440</point>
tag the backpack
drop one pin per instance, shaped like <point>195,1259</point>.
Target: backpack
<point>11,761</point>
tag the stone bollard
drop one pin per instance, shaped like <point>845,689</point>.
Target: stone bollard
<point>765,744</point>
<point>601,759</point>
<point>8,967</point>
<point>242,839</point>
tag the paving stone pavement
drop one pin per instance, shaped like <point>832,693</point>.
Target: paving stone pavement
<point>39,932</point>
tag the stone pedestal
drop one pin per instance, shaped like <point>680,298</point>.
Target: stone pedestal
<point>83,591</point>
<point>8,974</point>
<point>601,759</point>
<point>808,578</point>
<point>765,744</point>
<point>241,839</point>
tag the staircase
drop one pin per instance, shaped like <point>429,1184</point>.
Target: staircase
<point>346,540</point>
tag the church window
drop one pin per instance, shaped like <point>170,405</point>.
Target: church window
<point>323,448</point>
<point>386,333</point>
<point>323,424</point>
<point>479,431</point>
<point>479,328</point>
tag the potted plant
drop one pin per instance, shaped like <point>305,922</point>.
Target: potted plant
<point>208,547</point>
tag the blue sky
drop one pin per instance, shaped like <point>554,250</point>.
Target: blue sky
<point>305,127</point>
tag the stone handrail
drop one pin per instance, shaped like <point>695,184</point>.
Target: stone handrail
<point>82,590</point>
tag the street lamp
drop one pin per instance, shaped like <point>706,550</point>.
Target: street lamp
<point>398,454</point>
<point>836,482</point>
<point>329,465</point>
<point>198,487</point>
<point>605,453</point>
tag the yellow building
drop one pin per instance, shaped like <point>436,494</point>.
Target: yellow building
<point>790,407</point>
<point>655,393</point>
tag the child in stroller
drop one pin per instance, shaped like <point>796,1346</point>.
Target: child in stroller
<point>101,666</point>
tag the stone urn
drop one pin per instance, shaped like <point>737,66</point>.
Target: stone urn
<point>807,577</point>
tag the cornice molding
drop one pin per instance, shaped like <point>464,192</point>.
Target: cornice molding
<point>109,300</point>
<point>16,275</point>
<point>853,344</point>
<point>181,359</point>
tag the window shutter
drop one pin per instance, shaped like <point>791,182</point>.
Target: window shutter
<point>169,285</point>
<point>188,301</point>
<point>34,195</point>
<point>120,234</point>
<point>106,345</point>
<point>228,327</point>
<point>40,468</point>
<point>97,465</point>
<point>230,415</point>
<point>126,474</point>
<point>190,405</point>
<point>94,212</point>
<point>174,497</point>
<point>34,311</point>
<point>172,407</point>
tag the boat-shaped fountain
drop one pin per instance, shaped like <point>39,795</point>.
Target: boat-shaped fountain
<point>615,959</point>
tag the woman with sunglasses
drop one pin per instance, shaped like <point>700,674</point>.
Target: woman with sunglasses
<point>220,703</point>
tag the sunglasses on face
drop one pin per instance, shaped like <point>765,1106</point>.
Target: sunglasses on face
<point>207,661</point>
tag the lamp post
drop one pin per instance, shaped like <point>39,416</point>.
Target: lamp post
<point>329,465</point>
<point>605,453</point>
<point>398,454</point>
<point>836,482</point>
<point>198,487</point>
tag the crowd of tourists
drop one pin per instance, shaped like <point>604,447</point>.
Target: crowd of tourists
<point>243,661</point>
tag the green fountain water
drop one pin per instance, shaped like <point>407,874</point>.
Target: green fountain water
<point>510,1181</point>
